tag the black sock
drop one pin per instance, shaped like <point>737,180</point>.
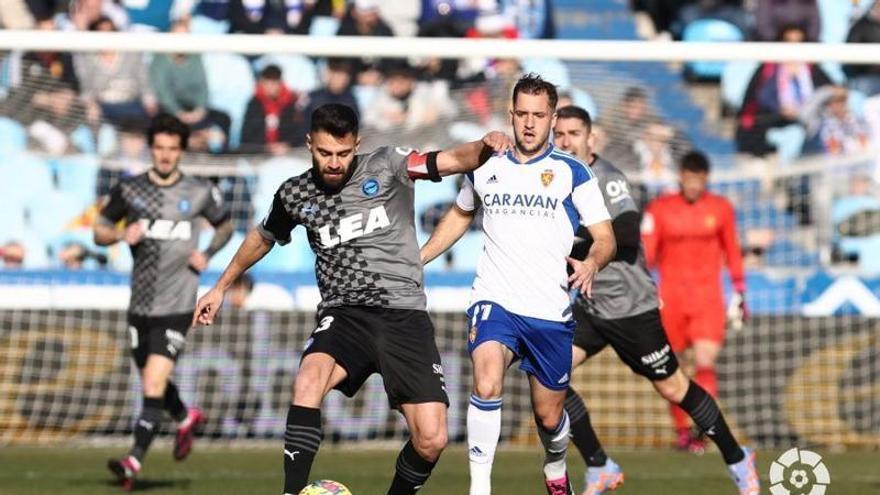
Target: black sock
<point>582,434</point>
<point>412,471</point>
<point>703,409</point>
<point>147,426</point>
<point>173,404</point>
<point>301,442</point>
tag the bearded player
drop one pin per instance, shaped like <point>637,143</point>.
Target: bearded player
<point>359,214</point>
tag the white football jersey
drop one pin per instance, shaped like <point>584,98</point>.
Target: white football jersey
<point>530,214</point>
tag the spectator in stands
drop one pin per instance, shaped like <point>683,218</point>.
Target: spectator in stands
<point>656,159</point>
<point>775,97</point>
<point>363,19</point>
<point>337,89</point>
<point>271,121</point>
<point>403,102</point>
<point>14,14</point>
<point>12,253</point>
<point>40,66</point>
<point>156,15</point>
<point>775,15</point>
<point>73,256</point>
<point>82,14</point>
<point>441,26</point>
<point>831,127</point>
<point>239,291</point>
<point>54,115</point>
<point>270,16</point>
<point>131,157</point>
<point>533,19</point>
<point>114,85</point>
<point>860,199</point>
<point>731,11</point>
<point>624,124</point>
<point>457,11</point>
<point>865,78</point>
<point>182,90</point>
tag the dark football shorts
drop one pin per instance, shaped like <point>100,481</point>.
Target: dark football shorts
<point>639,341</point>
<point>396,343</point>
<point>162,335</point>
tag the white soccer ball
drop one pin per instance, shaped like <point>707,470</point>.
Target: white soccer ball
<point>325,487</point>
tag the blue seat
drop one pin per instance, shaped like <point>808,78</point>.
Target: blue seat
<point>200,24</point>
<point>28,176</point>
<point>13,137</point>
<point>324,26</point>
<point>551,69</point>
<point>230,87</point>
<point>78,175</point>
<point>735,80</point>
<point>12,223</point>
<point>467,251</point>
<point>298,71</point>
<point>294,257</point>
<point>50,214</point>
<point>709,30</point>
<point>270,175</point>
<point>786,253</point>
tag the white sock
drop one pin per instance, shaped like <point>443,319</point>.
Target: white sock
<point>555,445</point>
<point>483,430</point>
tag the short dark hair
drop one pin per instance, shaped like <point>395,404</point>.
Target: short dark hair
<point>94,25</point>
<point>695,161</point>
<point>339,64</point>
<point>272,72</point>
<point>165,123</point>
<point>533,84</point>
<point>336,119</point>
<point>244,280</point>
<point>575,112</point>
<point>634,93</point>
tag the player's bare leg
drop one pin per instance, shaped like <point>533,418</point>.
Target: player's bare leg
<point>553,429</point>
<point>318,374</point>
<point>427,426</point>
<point>490,360</point>
<point>154,377</point>
<point>603,474</point>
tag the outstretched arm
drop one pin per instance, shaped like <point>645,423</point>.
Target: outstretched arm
<point>252,250</point>
<point>452,226</point>
<point>462,158</point>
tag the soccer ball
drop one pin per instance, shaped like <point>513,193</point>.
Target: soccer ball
<point>325,487</point>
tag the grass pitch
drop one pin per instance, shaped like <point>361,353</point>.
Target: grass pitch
<point>70,470</point>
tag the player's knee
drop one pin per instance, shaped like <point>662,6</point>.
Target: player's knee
<point>673,388</point>
<point>548,417</point>
<point>487,389</point>
<point>430,442</point>
<point>154,387</point>
<point>705,359</point>
<point>308,389</point>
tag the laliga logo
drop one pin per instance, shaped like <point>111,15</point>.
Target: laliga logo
<point>799,472</point>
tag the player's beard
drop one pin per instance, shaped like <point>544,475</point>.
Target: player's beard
<point>528,151</point>
<point>332,188</point>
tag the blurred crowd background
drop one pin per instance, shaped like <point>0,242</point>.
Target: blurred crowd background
<point>793,144</point>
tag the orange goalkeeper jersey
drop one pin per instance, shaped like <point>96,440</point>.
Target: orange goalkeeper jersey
<point>690,244</point>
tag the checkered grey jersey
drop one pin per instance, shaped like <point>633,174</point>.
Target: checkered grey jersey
<point>624,288</point>
<point>364,235</point>
<point>162,283</point>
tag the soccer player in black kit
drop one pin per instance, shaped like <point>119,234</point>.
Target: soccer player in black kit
<point>358,212</point>
<point>162,211</point>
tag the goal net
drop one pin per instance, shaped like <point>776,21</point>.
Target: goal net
<point>803,369</point>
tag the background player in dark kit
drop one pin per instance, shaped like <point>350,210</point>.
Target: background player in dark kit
<point>358,212</point>
<point>623,312</point>
<point>162,210</point>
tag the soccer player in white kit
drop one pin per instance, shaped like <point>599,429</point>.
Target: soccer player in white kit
<point>533,198</point>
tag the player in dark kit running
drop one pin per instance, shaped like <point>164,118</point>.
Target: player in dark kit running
<point>358,212</point>
<point>162,211</point>
<point>623,313</point>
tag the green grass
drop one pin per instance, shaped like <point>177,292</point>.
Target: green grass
<point>212,470</point>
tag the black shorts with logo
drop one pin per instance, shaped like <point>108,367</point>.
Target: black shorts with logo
<point>396,343</point>
<point>640,341</point>
<point>162,335</point>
